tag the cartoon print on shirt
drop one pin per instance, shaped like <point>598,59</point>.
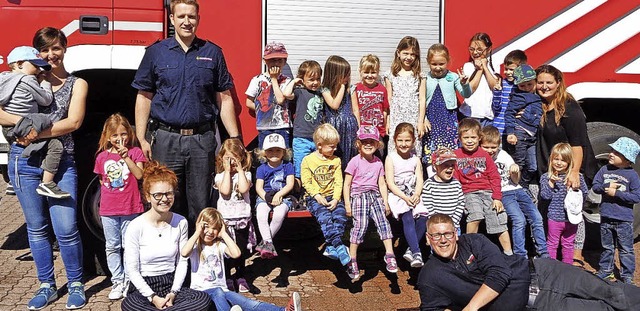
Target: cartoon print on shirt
<point>472,166</point>
<point>615,178</point>
<point>212,268</point>
<point>277,181</point>
<point>116,174</point>
<point>274,114</point>
<point>323,175</point>
<point>370,115</point>
<point>314,106</point>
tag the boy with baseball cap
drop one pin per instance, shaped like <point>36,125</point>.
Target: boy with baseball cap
<point>619,185</point>
<point>23,92</point>
<point>521,132</point>
<point>265,95</point>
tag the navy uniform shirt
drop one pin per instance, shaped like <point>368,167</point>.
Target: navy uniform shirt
<point>184,84</point>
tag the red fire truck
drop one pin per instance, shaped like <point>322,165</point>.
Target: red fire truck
<point>594,42</point>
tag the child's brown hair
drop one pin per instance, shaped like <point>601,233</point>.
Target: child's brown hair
<point>407,42</point>
<point>469,124</point>
<point>490,134</point>
<point>236,148</point>
<point>517,57</point>
<point>309,67</point>
<point>111,126</point>
<point>214,219</point>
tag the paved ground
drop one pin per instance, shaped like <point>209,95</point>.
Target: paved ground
<point>322,283</point>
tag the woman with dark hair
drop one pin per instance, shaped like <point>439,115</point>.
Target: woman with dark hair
<point>42,214</point>
<point>152,250</point>
<point>563,121</point>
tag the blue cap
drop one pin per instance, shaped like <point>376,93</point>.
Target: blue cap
<point>627,147</point>
<point>28,54</point>
<point>523,73</point>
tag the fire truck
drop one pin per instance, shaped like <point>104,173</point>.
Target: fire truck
<point>594,42</point>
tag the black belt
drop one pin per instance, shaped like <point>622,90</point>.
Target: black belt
<point>199,129</point>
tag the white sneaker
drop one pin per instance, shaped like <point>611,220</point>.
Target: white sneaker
<point>408,255</point>
<point>235,308</point>
<point>117,291</point>
<point>417,261</point>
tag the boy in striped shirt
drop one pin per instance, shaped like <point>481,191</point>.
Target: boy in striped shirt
<point>442,194</point>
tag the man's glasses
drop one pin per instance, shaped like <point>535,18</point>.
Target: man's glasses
<point>159,195</point>
<point>438,236</point>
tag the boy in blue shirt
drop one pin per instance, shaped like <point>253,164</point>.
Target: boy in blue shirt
<point>619,185</point>
<point>521,132</point>
<point>502,91</point>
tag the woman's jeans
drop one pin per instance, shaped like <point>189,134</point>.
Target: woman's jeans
<point>41,213</point>
<point>224,300</point>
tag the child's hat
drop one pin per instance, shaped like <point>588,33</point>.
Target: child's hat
<point>368,132</point>
<point>523,73</point>
<point>442,155</point>
<point>273,140</point>
<point>275,50</point>
<point>573,205</point>
<point>29,54</point>
<point>628,147</point>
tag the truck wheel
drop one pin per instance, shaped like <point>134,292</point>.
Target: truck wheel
<point>601,134</point>
<point>91,207</point>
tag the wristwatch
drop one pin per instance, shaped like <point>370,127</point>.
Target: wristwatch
<point>151,297</point>
<point>175,292</point>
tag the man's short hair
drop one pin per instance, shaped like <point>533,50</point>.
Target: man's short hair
<point>517,57</point>
<point>326,134</point>
<point>490,134</point>
<point>188,2</point>
<point>439,219</point>
<point>469,124</point>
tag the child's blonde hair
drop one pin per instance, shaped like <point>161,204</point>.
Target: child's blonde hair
<point>404,127</point>
<point>288,155</point>
<point>236,148</point>
<point>111,126</point>
<point>369,63</point>
<point>335,70</point>
<point>215,221</point>
<point>407,42</point>
<point>309,67</point>
<point>564,151</point>
<point>326,134</point>
<point>490,134</point>
<point>438,48</point>
<point>469,124</point>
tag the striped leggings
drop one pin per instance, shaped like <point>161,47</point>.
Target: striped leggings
<point>364,206</point>
<point>187,299</point>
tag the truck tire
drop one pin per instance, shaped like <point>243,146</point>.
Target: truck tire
<point>601,134</point>
<point>91,207</point>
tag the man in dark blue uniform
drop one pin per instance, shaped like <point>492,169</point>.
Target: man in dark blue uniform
<point>183,85</point>
<point>469,272</point>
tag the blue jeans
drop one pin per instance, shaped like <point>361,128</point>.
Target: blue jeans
<point>224,300</point>
<point>114,228</point>
<point>414,230</point>
<point>623,232</point>
<point>41,213</point>
<point>520,207</point>
<point>525,156</point>
<point>332,223</point>
<point>301,148</point>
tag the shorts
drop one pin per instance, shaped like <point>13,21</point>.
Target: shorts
<point>478,205</point>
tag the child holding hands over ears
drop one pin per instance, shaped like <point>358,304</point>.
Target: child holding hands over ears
<point>338,108</point>
<point>119,166</point>
<point>365,196</point>
<point>274,181</point>
<point>441,123</point>
<point>233,180</point>
<point>406,88</point>
<point>206,249</point>
<point>403,172</point>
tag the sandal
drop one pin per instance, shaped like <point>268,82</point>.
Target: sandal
<point>578,263</point>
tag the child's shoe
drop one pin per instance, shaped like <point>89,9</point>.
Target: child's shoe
<point>243,286</point>
<point>417,261</point>
<point>230,285</point>
<point>44,296</point>
<point>117,291</point>
<point>330,252</point>
<point>352,270</point>
<point>52,190</point>
<point>343,255</point>
<point>606,276</point>
<point>76,299</point>
<point>392,265</point>
<point>260,247</point>
<point>236,308</point>
<point>294,303</point>
<point>9,190</point>
<point>628,281</point>
<point>408,255</point>
<point>268,251</point>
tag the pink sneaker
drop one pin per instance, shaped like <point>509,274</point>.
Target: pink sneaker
<point>243,286</point>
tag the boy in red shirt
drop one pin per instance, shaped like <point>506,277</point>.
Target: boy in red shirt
<point>480,181</point>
